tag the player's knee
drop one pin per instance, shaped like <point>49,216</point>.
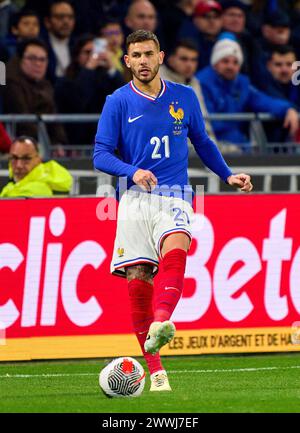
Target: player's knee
<point>140,272</point>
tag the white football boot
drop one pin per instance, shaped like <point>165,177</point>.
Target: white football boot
<point>160,381</point>
<point>159,334</point>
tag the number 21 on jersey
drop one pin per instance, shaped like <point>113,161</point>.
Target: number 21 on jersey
<point>158,150</point>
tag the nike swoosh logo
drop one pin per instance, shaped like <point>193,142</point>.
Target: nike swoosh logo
<point>134,118</point>
<point>172,288</point>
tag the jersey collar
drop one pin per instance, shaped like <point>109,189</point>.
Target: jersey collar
<point>151,98</point>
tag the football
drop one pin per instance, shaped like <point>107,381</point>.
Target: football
<point>122,377</point>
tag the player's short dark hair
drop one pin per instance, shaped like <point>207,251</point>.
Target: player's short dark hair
<point>21,47</point>
<point>26,138</point>
<point>142,36</point>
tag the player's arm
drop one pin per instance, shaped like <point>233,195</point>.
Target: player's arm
<point>106,141</point>
<point>107,138</point>
<point>208,151</point>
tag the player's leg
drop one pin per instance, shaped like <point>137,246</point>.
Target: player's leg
<point>172,268</point>
<point>174,252</point>
<point>172,236</point>
<point>136,258</point>
<point>140,287</point>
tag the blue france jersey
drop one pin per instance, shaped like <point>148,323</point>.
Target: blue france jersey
<point>151,134</point>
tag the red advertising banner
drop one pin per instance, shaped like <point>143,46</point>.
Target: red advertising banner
<point>58,299</point>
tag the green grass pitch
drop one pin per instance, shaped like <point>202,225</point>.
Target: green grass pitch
<point>253,383</point>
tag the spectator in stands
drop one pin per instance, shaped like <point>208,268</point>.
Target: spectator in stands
<point>275,31</point>
<point>141,14</point>
<point>89,13</point>
<point>89,79</point>
<point>227,91</point>
<point>234,21</point>
<point>174,17</point>
<point>234,16</point>
<point>261,8</point>
<point>7,9</point>
<point>29,176</point>
<point>204,29</point>
<point>279,85</point>
<point>60,23</point>
<point>28,92</point>
<point>5,141</point>
<point>25,25</point>
<point>180,67</point>
<point>112,31</point>
<point>280,68</point>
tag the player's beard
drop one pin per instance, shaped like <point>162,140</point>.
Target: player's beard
<point>153,73</point>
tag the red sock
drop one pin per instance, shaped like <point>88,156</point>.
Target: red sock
<point>140,296</point>
<point>171,284</point>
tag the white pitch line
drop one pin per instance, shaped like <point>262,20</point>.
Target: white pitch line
<point>217,370</point>
<point>234,370</point>
<point>46,375</point>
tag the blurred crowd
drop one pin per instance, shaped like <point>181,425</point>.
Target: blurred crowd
<point>239,56</point>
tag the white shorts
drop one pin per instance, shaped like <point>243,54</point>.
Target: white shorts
<point>144,221</point>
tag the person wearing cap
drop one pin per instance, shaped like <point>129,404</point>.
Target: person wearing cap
<point>276,28</point>
<point>234,21</point>
<point>203,28</point>
<point>226,90</point>
<point>259,9</point>
<point>275,31</point>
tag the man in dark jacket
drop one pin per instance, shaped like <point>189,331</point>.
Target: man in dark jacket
<point>60,23</point>
<point>279,85</point>
<point>227,91</point>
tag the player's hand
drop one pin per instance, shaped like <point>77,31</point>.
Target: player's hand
<point>242,181</point>
<point>145,179</point>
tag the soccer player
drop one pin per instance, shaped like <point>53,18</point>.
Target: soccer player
<point>149,120</point>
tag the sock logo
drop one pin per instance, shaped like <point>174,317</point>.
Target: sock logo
<point>172,288</point>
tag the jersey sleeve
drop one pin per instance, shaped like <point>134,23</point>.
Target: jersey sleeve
<point>206,149</point>
<point>107,139</point>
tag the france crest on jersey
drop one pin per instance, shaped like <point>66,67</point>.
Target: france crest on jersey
<point>151,134</point>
